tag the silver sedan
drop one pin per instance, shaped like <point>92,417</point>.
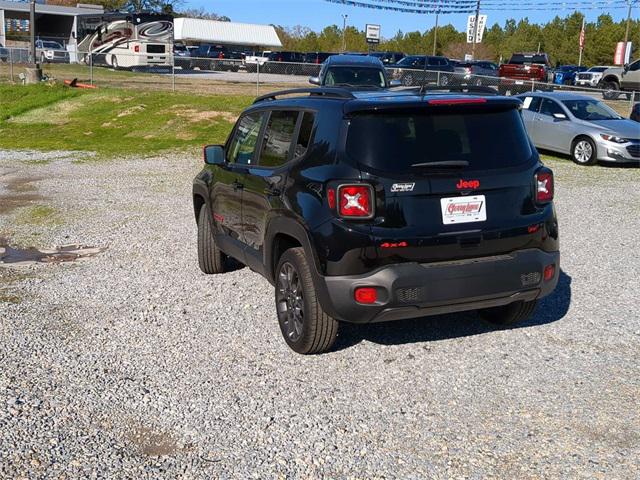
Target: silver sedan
<point>580,126</point>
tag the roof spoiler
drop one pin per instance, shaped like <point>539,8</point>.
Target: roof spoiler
<point>332,92</point>
<point>473,89</point>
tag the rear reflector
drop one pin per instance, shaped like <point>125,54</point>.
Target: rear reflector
<point>331,198</point>
<point>366,295</point>
<point>549,272</point>
<point>456,101</point>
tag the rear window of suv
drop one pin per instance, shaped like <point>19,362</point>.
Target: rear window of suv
<point>393,143</point>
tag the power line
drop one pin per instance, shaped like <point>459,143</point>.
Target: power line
<point>468,6</point>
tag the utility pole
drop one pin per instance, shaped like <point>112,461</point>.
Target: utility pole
<point>344,32</point>
<point>435,33</point>
<point>32,29</point>
<point>475,31</point>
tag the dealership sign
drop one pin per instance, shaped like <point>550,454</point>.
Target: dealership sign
<point>482,21</point>
<point>373,33</point>
<point>622,55</point>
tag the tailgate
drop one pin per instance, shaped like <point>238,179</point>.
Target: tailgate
<point>427,211</point>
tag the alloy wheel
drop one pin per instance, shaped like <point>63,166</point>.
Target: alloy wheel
<point>290,302</point>
<point>583,151</point>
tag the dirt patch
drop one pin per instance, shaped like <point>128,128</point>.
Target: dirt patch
<point>153,443</point>
<point>132,110</point>
<point>28,256</point>
<point>193,115</point>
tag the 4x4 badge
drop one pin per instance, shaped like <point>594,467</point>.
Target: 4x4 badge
<point>402,187</point>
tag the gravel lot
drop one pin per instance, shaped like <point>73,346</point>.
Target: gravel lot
<point>134,364</point>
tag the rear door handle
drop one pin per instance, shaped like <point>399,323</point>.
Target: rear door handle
<point>237,185</point>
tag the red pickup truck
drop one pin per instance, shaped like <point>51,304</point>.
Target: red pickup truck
<point>522,70</point>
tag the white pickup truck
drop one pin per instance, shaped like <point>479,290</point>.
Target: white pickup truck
<point>251,62</point>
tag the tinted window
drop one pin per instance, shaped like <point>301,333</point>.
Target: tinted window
<point>590,110</point>
<point>597,69</point>
<point>549,107</point>
<point>355,76</point>
<point>242,148</point>
<point>278,137</point>
<point>634,66</point>
<point>304,137</point>
<point>520,59</point>
<point>394,142</point>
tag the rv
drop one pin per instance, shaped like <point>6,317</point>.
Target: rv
<point>125,40</point>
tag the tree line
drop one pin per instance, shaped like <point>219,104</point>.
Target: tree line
<point>559,38</point>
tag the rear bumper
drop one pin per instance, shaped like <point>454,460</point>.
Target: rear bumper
<point>411,290</point>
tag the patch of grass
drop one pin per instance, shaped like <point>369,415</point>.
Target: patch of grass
<point>39,215</point>
<point>113,122</point>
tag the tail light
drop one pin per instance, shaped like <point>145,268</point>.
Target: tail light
<point>279,59</point>
<point>467,70</point>
<point>317,60</point>
<point>136,48</point>
<point>544,186</point>
<point>355,201</point>
<point>221,55</point>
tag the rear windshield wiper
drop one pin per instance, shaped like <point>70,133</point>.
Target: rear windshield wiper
<point>444,163</point>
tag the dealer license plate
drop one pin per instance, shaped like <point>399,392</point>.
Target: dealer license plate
<point>463,209</point>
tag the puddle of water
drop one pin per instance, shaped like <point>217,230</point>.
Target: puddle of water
<point>27,256</point>
<point>18,195</point>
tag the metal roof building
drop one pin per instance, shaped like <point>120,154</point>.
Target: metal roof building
<point>229,33</point>
<point>52,21</point>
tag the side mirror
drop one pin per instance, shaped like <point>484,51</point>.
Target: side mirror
<point>314,80</point>
<point>395,83</point>
<point>213,155</point>
<point>626,67</point>
<point>559,116</point>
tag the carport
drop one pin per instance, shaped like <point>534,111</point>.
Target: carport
<point>52,22</point>
<point>248,35</point>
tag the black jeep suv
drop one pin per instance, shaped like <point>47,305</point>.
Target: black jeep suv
<point>381,205</point>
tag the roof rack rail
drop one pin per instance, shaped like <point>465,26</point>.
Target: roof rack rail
<point>333,92</point>
<point>482,89</point>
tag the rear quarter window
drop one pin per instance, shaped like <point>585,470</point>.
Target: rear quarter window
<point>393,143</point>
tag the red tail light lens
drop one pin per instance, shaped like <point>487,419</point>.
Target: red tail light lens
<point>136,48</point>
<point>331,198</point>
<point>544,187</point>
<point>355,201</point>
<point>549,272</point>
<point>366,295</point>
<point>221,55</point>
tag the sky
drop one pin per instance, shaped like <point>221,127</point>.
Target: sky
<point>317,14</point>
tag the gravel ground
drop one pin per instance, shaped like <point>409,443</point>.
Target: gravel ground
<point>134,364</point>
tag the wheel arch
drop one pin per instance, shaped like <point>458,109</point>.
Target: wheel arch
<point>199,199</point>
<point>610,78</point>
<point>283,233</point>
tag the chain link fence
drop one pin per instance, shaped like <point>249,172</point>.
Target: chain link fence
<point>162,71</point>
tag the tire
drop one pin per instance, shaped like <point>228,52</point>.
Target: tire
<point>114,62</point>
<point>444,80</point>
<point>583,151</point>
<point>43,59</point>
<point>609,90</point>
<point>509,314</point>
<point>306,328</point>
<point>210,257</point>
<point>407,80</point>
<point>212,66</point>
